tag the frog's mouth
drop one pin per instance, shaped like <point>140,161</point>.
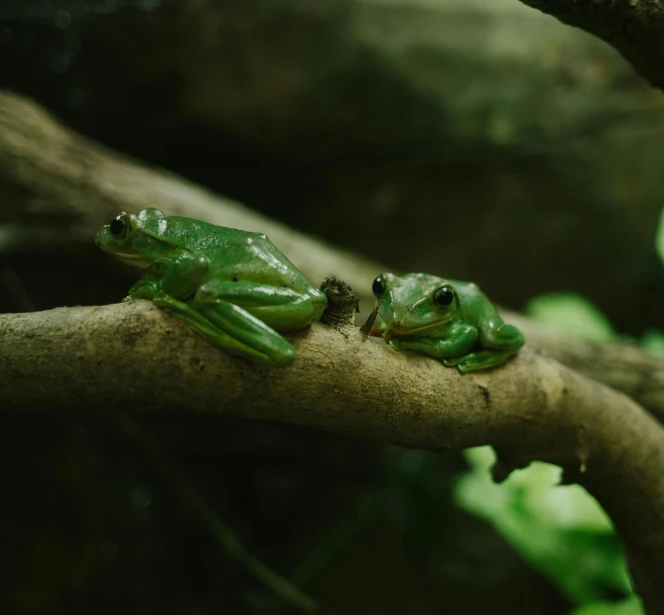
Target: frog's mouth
<point>131,258</point>
<point>396,330</point>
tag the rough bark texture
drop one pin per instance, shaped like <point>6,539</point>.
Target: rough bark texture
<point>622,366</point>
<point>633,27</point>
<point>134,355</point>
<point>58,188</point>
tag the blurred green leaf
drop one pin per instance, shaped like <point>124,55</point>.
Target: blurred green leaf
<point>560,530</point>
<point>653,342</point>
<point>659,237</point>
<point>571,314</point>
<point>631,606</point>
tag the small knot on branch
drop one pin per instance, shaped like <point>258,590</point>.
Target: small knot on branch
<point>342,303</point>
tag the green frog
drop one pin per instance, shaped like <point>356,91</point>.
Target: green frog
<point>235,288</point>
<point>445,319</point>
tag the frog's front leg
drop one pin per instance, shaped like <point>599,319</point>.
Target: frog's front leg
<point>459,341</point>
<point>146,288</point>
<point>184,275</point>
<point>181,279</point>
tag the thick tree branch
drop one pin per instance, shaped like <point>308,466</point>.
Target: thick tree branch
<point>57,189</point>
<point>634,27</point>
<point>136,356</point>
<point>622,366</point>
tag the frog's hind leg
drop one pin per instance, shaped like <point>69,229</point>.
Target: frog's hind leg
<point>281,308</point>
<point>501,337</point>
<point>232,329</point>
<point>499,342</point>
<point>290,316</point>
<point>482,359</point>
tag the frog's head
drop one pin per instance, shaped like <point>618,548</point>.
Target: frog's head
<point>411,305</point>
<point>138,240</point>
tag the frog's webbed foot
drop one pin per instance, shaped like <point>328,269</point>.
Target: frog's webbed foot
<point>482,359</point>
<point>232,329</point>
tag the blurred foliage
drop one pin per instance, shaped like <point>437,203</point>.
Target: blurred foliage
<point>653,341</point>
<point>575,315</point>
<point>630,606</point>
<point>659,237</point>
<point>561,531</point>
<point>571,314</point>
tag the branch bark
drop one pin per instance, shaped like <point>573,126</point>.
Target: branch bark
<point>57,188</point>
<point>634,27</point>
<point>621,365</point>
<point>134,355</point>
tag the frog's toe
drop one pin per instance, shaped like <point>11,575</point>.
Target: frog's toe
<point>284,357</point>
<point>469,366</point>
<point>484,359</point>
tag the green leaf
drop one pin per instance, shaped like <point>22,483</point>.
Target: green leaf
<point>560,530</point>
<point>631,606</point>
<point>571,314</point>
<point>653,342</point>
<point>659,237</point>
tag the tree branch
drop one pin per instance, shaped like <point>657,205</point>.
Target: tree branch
<point>634,27</point>
<point>58,188</point>
<point>136,356</point>
<point>622,366</point>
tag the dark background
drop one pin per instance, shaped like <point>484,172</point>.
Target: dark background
<point>475,140</point>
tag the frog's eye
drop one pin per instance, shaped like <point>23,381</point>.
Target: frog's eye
<point>443,296</point>
<point>378,287</point>
<point>119,227</point>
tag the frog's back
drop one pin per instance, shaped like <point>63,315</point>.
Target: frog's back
<point>236,254</point>
<point>475,305</point>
